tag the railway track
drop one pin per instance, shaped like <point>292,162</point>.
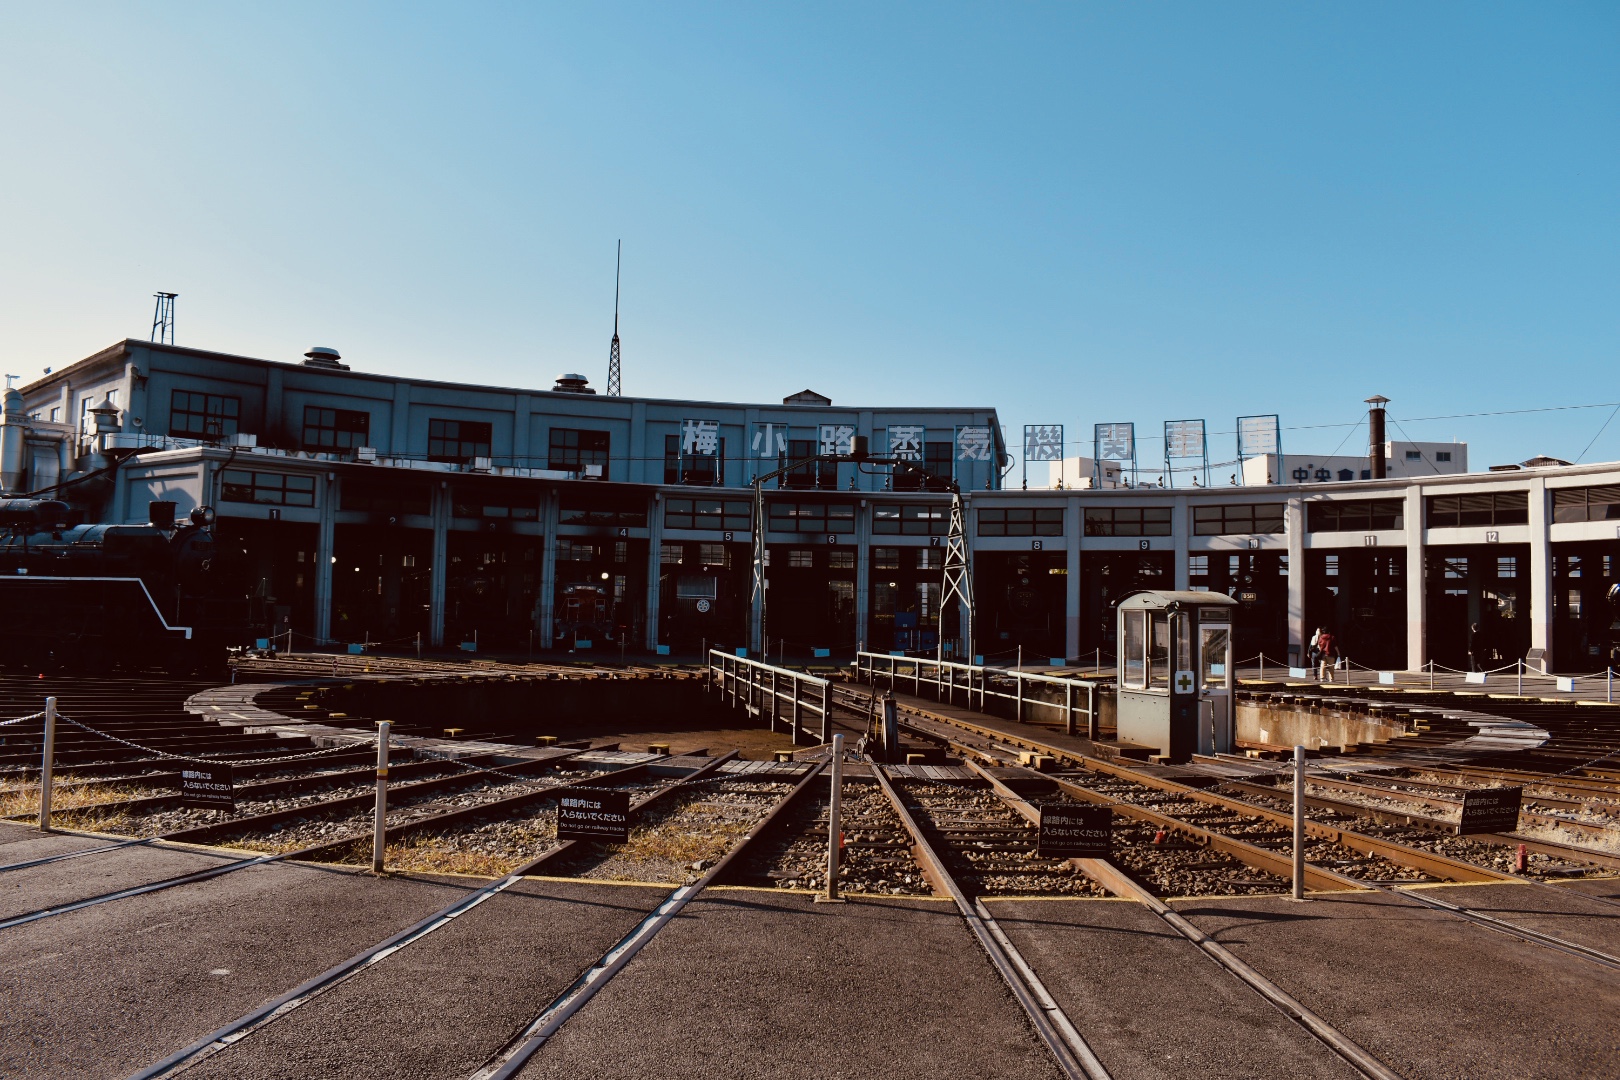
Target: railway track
<point>670,809</point>
<point>1353,857</point>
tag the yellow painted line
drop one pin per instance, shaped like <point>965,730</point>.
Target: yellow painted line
<point>1057,899</point>
<point>603,881</point>
<point>1459,884</point>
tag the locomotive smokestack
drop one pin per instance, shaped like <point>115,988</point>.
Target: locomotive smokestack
<point>1375,434</point>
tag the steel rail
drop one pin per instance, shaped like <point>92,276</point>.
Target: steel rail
<point>512,1057</point>
<point>1415,858</point>
<point>1275,863</point>
<point>1115,880</point>
<point>1070,1049</point>
<point>1390,816</point>
<point>239,1029</point>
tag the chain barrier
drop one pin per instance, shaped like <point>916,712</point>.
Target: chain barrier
<point>208,761</point>
<point>21,719</point>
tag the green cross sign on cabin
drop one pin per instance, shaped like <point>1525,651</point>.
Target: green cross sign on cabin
<point>1184,682</point>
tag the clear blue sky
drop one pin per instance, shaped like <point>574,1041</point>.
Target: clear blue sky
<point>1075,213</point>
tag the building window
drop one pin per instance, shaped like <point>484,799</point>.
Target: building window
<point>573,450</point>
<point>714,555</point>
<point>1198,566</point>
<point>1456,567</point>
<point>1487,508</point>
<point>812,517</point>
<point>1362,515</point>
<point>56,415</point>
<point>203,416</point>
<point>1128,521</point>
<point>1572,603</point>
<point>1330,565</point>
<point>721,515</point>
<point>930,558</point>
<point>584,510</point>
<point>569,550</point>
<point>815,474</point>
<point>355,494</point>
<point>1586,504</point>
<point>671,554</point>
<point>801,559</point>
<point>458,440</point>
<point>1414,455</point>
<point>484,504</point>
<point>705,471</point>
<point>1442,455</point>
<point>1507,566</point>
<point>268,489</point>
<point>910,520</point>
<point>936,470</point>
<point>335,429</point>
<point>1238,520</point>
<point>885,558</point>
<point>1021,521</point>
<point>840,560</point>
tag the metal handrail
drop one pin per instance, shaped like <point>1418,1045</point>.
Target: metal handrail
<point>756,687</point>
<point>978,681</point>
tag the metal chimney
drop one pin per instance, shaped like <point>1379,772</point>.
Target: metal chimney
<point>1375,434</point>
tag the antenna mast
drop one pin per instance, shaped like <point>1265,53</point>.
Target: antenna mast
<point>613,383</point>
<point>163,318</point>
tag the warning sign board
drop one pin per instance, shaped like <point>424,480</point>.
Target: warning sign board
<point>597,814</point>
<point>1070,831</point>
<point>1491,810</point>
<point>209,786</point>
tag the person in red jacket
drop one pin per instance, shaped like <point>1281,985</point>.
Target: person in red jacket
<point>1327,654</point>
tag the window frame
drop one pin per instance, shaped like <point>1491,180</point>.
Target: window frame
<point>339,425</point>
<point>440,439</point>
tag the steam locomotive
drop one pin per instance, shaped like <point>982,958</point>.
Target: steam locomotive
<point>88,597</point>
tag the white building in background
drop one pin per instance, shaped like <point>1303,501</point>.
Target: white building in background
<point>1074,473</point>
<point>1401,459</point>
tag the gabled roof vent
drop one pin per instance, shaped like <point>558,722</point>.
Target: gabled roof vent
<point>572,384</point>
<point>322,357</point>
<point>807,397</point>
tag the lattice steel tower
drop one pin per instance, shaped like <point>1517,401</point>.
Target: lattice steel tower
<point>163,318</point>
<point>613,385</point>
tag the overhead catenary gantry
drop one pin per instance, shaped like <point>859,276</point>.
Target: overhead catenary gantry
<point>958,582</point>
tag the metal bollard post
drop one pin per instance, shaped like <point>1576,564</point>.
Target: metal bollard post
<point>1431,674</point>
<point>1521,676</point>
<point>379,830</point>
<point>1608,684</point>
<point>419,644</point>
<point>1299,823</point>
<point>47,761</point>
<point>835,834</point>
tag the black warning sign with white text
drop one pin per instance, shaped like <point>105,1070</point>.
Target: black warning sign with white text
<point>1070,831</point>
<point>596,814</point>
<point>1490,810</point>
<point>209,786</point>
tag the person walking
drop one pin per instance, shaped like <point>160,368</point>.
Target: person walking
<point>1326,654</point>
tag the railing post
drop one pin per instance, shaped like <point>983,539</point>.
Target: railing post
<point>1299,823</point>
<point>793,732</point>
<point>835,832</point>
<point>1093,721</point>
<point>1068,709</point>
<point>379,827</point>
<point>1521,677</point>
<point>47,764</point>
<point>826,713</point>
<point>773,701</point>
<point>1608,683</point>
<point>1018,679</point>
